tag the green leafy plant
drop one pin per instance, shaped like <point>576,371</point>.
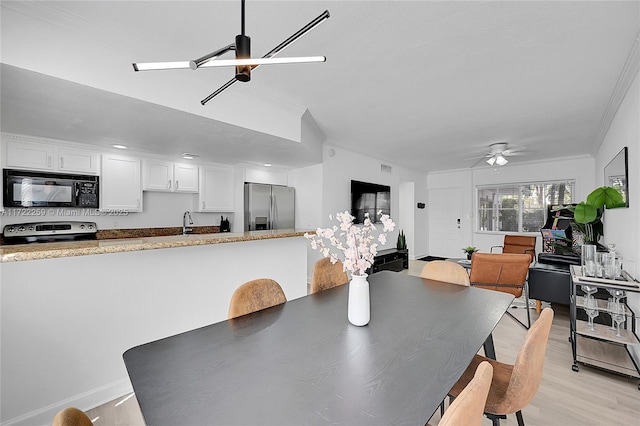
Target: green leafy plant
<point>587,215</point>
<point>401,244</point>
<point>470,250</point>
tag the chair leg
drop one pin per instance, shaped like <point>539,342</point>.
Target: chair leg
<point>519,417</point>
<point>526,297</point>
<point>495,419</point>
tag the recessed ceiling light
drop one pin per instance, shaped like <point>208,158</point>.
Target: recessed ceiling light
<point>267,164</point>
<point>188,156</point>
<point>118,146</point>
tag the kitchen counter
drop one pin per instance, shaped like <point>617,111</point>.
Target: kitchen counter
<point>21,252</point>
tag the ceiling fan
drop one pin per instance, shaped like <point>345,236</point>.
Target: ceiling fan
<point>243,62</point>
<point>497,155</point>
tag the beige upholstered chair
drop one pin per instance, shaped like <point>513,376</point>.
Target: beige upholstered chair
<point>442,270</point>
<point>468,407</point>
<point>254,296</point>
<point>71,417</point>
<point>519,244</point>
<point>513,386</point>
<point>502,272</point>
<point>327,275</point>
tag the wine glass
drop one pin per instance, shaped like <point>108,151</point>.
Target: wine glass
<point>591,308</point>
<point>617,294</point>
<point>619,316</point>
<point>611,306</point>
<point>588,290</point>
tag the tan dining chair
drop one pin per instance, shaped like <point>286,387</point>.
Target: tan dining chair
<point>71,416</point>
<point>519,244</point>
<point>444,270</point>
<point>327,275</point>
<point>502,272</point>
<point>468,407</point>
<point>255,295</point>
<point>513,386</point>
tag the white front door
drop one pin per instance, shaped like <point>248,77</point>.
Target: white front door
<point>445,222</point>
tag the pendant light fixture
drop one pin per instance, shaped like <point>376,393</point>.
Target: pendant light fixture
<point>243,62</point>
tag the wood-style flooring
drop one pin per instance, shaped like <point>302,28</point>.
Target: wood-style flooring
<point>565,398</point>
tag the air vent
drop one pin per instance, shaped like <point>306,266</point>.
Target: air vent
<point>385,168</point>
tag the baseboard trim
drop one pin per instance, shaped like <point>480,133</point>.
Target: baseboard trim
<point>84,401</point>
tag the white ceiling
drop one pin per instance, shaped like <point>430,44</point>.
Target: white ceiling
<point>421,84</point>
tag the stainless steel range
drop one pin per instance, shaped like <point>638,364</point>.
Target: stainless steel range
<point>38,232</point>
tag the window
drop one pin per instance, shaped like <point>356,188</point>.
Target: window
<point>520,207</point>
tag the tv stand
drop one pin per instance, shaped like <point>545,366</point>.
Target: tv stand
<point>391,260</point>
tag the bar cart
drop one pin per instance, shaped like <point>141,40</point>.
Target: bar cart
<point>599,344</point>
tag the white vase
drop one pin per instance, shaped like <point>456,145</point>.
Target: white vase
<point>359,310</point>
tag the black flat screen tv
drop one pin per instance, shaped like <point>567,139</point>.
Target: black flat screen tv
<point>369,198</point>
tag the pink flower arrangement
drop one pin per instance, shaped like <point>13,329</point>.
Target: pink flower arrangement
<point>357,243</point>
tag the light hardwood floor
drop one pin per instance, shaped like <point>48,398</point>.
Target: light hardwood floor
<point>588,397</point>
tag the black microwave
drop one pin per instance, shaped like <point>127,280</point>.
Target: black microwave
<point>24,188</point>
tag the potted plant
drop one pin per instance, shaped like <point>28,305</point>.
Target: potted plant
<point>470,250</point>
<point>587,215</point>
<point>401,243</point>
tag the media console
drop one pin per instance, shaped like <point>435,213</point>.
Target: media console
<point>391,260</point>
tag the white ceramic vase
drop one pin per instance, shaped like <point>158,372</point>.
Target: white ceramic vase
<point>359,310</point>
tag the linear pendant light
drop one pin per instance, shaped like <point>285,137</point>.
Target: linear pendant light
<point>254,62</point>
<point>243,62</point>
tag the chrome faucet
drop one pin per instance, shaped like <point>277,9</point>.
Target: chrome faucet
<point>185,228</point>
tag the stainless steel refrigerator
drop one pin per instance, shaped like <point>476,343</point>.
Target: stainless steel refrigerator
<point>268,207</point>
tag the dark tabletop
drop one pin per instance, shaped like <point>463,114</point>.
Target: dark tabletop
<point>303,362</point>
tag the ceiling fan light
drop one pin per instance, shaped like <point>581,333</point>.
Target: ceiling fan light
<point>491,161</point>
<point>500,160</point>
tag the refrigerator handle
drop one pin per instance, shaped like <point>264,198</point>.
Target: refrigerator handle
<point>274,214</point>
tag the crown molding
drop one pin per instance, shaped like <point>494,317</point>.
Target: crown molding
<point>628,74</point>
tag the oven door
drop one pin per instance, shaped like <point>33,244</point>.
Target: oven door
<point>35,191</point>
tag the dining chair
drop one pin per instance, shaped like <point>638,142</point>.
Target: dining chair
<point>468,407</point>
<point>447,271</point>
<point>502,272</point>
<point>327,275</point>
<point>513,386</point>
<point>254,296</point>
<point>71,416</point>
<point>519,244</point>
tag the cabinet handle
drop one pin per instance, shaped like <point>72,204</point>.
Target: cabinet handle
<point>48,161</point>
<point>176,185</point>
<point>138,203</point>
<point>203,205</point>
<point>169,183</point>
<point>62,162</point>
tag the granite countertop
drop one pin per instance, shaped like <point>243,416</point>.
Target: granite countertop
<point>20,252</point>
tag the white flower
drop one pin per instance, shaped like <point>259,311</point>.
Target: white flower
<point>357,244</point>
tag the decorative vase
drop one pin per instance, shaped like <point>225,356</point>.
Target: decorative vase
<point>469,256</point>
<point>359,309</point>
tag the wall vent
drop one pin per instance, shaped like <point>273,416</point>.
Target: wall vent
<point>385,168</point>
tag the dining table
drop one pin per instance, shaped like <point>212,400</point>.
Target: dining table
<point>303,363</point>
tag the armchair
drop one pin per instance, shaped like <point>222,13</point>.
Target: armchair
<point>519,244</point>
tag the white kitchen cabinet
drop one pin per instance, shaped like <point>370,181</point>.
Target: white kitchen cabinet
<point>121,183</point>
<point>78,160</point>
<point>48,157</point>
<point>31,155</point>
<point>217,190</point>
<point>166,176</point>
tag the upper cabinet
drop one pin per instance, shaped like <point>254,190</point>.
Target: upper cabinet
<point>217,190</point>
<point>78,160</point>
<point>43,156</point>
<point>166,176</point>
<point>120,185</point>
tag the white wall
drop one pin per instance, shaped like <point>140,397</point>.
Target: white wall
<point>63,336</point>
<point>580,168</point>
<point>344,165</point>
<point>622,226</point>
